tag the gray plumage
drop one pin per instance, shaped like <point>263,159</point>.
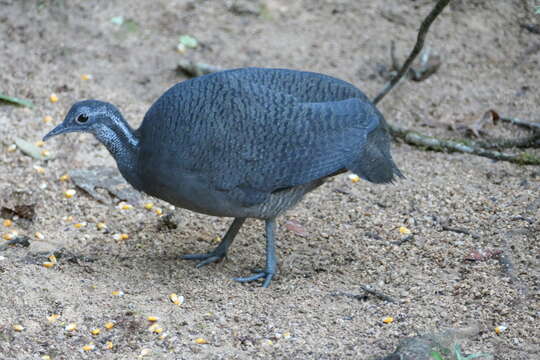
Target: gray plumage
<point>243,143</point>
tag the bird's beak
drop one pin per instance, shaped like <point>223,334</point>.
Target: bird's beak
<point>60,129</point>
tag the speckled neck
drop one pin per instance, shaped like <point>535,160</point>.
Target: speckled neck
<point>123,144</point>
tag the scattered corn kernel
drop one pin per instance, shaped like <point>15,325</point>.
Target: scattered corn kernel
<point>7,223</point>
<point>216,240</point>
<point>68,218</point>
<point>109,345</point>
<point>354,178</point>
<point>48,264</point>
<point>152,318</point>
<point>12,148</point>
<point>200,341</point>
<point>86,77</point>
<point>146,352</point>
<point>158,211</point>
<point>155,328</point>
<point>109,325</point>
<point>52,259</point>
<point>64,177</point>
<point>52,318</point>
<point>45,357</point>
<point>45,153</point>
<point>18,327</point>
<point>39,235</point>
<point>89,347</point>
<point>95,331</point>
<point>80,225</point>
<point>499,329</point>
<point>148,206</point>
<point>10,236</point>
<point>118,293</point>
<point>177,300</point>
<point>286,335</point>
<point>53,98</point>
<point>125,206</point>
<point>71,327</point>
<point>69,193</point>
<point>39,169</point>
<point>120,236</point>
<point>40,143</point>
<point>101,226</point>
<point>388,320</point>
<point>47,119</point>
<point>403,230</point>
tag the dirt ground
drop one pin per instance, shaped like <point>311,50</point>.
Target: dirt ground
<point>352,230</point>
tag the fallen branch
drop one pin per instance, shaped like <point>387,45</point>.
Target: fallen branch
<point>377,293</point>
<point>432,143</point>
<point>535,126</point>
<point>460,231</point>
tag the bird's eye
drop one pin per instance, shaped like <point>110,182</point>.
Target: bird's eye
<point>81,119</point>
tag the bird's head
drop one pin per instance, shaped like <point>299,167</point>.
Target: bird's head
<point>90,116</point>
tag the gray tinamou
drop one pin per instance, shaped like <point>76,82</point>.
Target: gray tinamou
<point>245,143</point>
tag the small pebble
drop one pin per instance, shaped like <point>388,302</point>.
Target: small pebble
<point>18,327</point>
<point>12,148</point>
<point>71,327</point>
<point>146,352</point>
<point>39,235</point>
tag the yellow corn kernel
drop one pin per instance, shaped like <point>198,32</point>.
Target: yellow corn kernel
<point>388,320</point>
<point>39,235</point>
<point>152,318</point>
<point>354,178</point>
<point>52,318</point>
<point>46,357</point>
<point>148,206</point>
<point>89,347</point>
<point>71,327</point>
<point>177,300</point>
<point>45,153</point>
<point>53,98</point>
<point>40,170</point>
<point>68,218</point>
<point>64,177</point>
<point>69,193</point>
<point>155,328</point>
<point>118,293</point>
<point>125,206</point>
<point>109,325</point>
<point>500,329</point>
<point>40,143</point>
<point>200,341</point>
<point>18,327</point>
<point>47,119</point>
<point>10,236</point>
<point>109,345</point>
<point>7,223</point>
<point>101,226</point>
<point>86,77</point>
<point>52,259</point>
<point>48,264</point>
<point>158,211</point>
<point>286,335</point>
<point>95,331</point>
<point>403,230</point>
<point>12,148</point>
<point>80,225</point>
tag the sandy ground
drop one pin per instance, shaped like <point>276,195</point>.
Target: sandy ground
<point>351,229</point>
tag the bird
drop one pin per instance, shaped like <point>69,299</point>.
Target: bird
<point>243,143</point>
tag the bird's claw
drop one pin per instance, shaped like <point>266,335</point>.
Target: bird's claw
<point>208,258</point>
<point>266,275</point>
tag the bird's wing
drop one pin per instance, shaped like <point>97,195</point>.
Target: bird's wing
<point>285,146</point>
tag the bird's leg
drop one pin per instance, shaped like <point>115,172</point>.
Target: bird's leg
<point>271,262</point>
<point>221,250</point>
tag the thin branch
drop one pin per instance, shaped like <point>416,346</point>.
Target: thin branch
<point>432,143</point>
<point>531,141</point>
<point>525,124</point>
<point>439,7</point>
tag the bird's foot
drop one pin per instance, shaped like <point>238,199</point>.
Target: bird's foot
<point>208,258</point>
<point>259,274</point>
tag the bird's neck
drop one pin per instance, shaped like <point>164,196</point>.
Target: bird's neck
<point>123,144</point>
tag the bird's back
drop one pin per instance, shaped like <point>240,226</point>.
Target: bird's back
<point>240,135</point>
